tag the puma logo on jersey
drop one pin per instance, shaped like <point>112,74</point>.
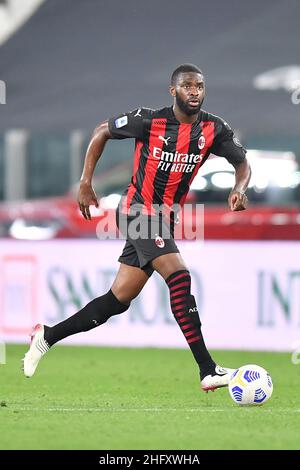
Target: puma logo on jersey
<point>138,113</point>
<point>166,141</point>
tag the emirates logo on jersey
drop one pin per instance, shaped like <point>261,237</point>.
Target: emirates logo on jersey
<point>201,142</point>
<point>159,242</point>
<point>175,161</point>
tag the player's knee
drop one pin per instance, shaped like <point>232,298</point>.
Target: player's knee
<point>124,294</point>
<point>169,264</point>
<point>119,305</point>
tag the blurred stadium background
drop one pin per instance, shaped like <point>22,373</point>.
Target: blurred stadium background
<point>65,66</point>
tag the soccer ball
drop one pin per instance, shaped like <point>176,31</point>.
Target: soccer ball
<point>250,385</point>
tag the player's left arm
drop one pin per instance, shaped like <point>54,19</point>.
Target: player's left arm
<point>237,199</point>
<point>227,145</point>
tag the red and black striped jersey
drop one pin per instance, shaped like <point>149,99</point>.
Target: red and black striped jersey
<point>168,154</point>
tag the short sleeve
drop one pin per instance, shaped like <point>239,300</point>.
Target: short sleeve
<point>227,144</point>
<point>127,125</point>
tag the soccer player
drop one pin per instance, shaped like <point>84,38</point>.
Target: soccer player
<point>172,143</point>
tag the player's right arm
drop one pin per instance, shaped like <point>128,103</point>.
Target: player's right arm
<point>86,194</point>
<point>124,126</point>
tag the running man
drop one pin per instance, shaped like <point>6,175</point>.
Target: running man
<point>172,143</point>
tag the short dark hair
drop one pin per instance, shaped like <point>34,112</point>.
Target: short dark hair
<point>183,68</point>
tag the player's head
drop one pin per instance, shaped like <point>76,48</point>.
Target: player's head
<point>188,88</point>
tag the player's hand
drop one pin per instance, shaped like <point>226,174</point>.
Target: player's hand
<point>86,198</point>
<point>237,201</point>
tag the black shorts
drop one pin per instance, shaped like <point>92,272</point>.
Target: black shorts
<point>156,239</point>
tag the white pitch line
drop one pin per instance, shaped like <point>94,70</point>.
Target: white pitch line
<point>150,410</point>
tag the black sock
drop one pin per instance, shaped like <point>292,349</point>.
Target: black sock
<point>185,311</point>
<point>95,313</point>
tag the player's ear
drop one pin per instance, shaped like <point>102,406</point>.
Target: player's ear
<point>172,91</point>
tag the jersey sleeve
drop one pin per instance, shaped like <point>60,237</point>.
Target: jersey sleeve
<point>127,125</point>
<point>227,144</point>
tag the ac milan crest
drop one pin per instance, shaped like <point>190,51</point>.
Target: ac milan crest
<point>159,241</point>
<point>201,142</point>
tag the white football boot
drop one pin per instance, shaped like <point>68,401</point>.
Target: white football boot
<point>38,348</point>
<point>219,379</point>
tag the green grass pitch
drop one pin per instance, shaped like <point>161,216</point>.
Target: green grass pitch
<point>106,398</point>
